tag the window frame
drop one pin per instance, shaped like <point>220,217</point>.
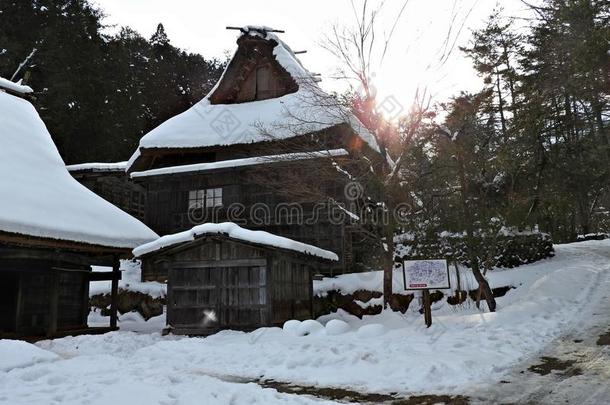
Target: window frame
<point>205,198</point>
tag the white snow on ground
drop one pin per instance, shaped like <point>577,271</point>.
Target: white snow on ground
<point>385,353</point>
<point>130,322</point>
<point>236,232</point>
<point>308,110</point>
<point>251,161</point>
<point>117,368</point>
<point>40,198</point>
<point>17,354</point>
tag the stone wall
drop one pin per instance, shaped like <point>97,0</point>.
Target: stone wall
<point>129,301</point>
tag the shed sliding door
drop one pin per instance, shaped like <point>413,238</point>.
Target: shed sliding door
<point>218,297</point>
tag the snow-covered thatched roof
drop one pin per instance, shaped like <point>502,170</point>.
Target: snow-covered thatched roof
<point>233,231</point>
<point>307,110</point>
<point>39,198</point>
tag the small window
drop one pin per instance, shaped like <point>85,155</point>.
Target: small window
<point>208,198</point>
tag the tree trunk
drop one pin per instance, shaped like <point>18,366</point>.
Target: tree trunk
<point>484,287</point>
<point>501,107</point>
<point>470,242</point>
<point>388,256</point>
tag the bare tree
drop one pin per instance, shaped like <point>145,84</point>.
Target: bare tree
<point>357,47</point>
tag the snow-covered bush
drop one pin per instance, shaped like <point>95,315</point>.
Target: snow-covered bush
<point>337,327</point>
<point>506,249</point>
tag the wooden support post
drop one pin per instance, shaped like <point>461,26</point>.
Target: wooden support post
<point>114,292</point>
<point>427,307</point>
<point>53,304</point>
<point>18,302</point>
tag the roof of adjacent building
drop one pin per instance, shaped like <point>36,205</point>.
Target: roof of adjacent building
<point>243,162</point>
<point>305,111</point>
<point>40,198</point>
<point>233,231</point>
<point>98,167</point>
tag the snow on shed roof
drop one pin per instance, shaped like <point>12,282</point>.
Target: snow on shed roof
<point>308,110</point>
<point>236,232</point>
<point>14,87</point>
<point>40,198</point>
<point>251,161</point>
<point>99,167</point>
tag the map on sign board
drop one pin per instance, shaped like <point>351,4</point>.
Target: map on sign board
<point>426,274</point>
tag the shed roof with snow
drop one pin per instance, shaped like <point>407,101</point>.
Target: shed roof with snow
<point>236,232</point>
<point>39,198</point>
<point>264,94</point>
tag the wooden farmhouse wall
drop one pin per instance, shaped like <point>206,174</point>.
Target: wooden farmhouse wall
<point>116,188</point>
<point>246,201</point>
<point>42,296</point>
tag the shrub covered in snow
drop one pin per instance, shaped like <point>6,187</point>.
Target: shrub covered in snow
<point>337,327</point>
<point>507,249</point>
<point>592,236</point>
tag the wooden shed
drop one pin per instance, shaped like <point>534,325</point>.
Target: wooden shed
<point>44,286</point>
<point>222,276</point>
<point>52,230</point>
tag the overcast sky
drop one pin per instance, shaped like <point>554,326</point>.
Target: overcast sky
<point>412,60</point>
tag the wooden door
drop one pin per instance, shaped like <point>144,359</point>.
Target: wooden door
<point>212,298</point>
<point>243,297</point>
<point>9,287</point>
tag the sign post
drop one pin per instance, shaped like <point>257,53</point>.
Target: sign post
<point>425,275</point>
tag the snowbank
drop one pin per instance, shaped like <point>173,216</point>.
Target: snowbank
<point>236,232</point>
<point>202,167</point>
<point>15,353</point>
<point>41,199</point>
<point>117,368</point>
<point>308,110</point>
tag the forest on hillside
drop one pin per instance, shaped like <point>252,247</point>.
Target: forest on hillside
<point>529,151</point>
<point>97,93</point>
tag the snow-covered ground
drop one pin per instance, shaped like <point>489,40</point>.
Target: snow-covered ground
<point>387,353</point>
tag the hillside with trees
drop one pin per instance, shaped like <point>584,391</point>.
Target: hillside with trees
<point>97,93</point>
<point>532,148</point>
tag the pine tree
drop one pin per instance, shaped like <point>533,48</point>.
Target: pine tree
<point>159,39</point>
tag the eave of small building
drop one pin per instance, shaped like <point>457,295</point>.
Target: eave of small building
<point>179,247</point>
<point>97,167</point>
<point>27,241</point>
